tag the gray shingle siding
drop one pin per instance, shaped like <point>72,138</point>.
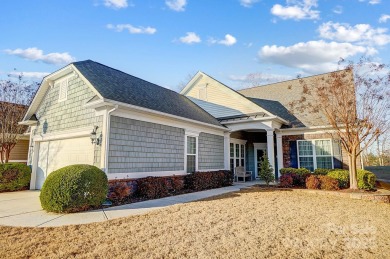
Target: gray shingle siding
<point>138,146</point>
<point>69,114</point>
<point>211,151</point>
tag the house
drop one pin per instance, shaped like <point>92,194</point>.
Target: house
<point>19,152</point>
<point>90,113</point>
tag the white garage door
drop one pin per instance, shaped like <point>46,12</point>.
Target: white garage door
<point>59,153</point>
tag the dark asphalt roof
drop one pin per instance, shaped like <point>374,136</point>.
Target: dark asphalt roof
<point>276,108</point>
<point>118,86</point>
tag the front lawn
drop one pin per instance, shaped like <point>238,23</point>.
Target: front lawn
<point>253,223</point>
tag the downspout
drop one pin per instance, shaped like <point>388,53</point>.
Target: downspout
<point>108,120</point>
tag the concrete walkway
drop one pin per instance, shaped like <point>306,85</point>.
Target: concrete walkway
<point>24,209</point>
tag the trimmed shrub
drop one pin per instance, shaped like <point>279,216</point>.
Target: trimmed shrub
<point>286,180</point>
<point>366,179</point>
<point>177,183</point>
<point>120,191</point>
<point>328,183</point>
<point>14,177</point>
<point>342,176</point>
<point>313,182</point>
<point>287,170</point>
<point>322,171</point>
<point>298,175</point>
<point>198,181</point>
<point>152,187</point>
<point>74,188</point>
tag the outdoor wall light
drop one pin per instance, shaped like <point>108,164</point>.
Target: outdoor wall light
<point>94,138</point>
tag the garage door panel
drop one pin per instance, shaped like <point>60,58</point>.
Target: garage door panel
<point>59,153</point>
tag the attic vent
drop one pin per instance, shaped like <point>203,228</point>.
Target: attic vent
<point>202,94</point>
<point>63,90</point>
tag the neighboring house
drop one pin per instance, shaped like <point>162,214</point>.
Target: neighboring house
<point>20,152</point>
<point>141,129</point>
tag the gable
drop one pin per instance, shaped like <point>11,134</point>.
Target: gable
<point>218,99</point>
<point>287,92</point>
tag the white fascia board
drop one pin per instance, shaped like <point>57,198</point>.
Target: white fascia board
<point>306,130</point>
<point>193,81</point>
<point>98,104</point>
<point>146,110</point>
<point>251,120</point>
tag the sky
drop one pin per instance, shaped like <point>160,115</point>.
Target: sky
<point>238,42</point>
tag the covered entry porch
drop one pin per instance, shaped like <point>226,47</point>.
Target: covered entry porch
<point>249,139</point>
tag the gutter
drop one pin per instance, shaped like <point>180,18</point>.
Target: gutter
<point>108,122</point>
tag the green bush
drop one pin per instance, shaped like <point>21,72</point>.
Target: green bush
<point>322,171</point>
<point>366,179</point>
<point>287,170</point>
<point>14,177</point>
<point>74,188</point>
<point>266,172</point>
<point>342,176</point>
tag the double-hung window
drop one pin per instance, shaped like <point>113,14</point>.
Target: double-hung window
<point>191,154</point>
<point>314,154</point>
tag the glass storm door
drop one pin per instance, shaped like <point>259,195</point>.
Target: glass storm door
<point>259,155</point>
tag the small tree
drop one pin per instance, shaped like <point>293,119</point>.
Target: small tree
<point>15,96</point>
<point>356,104</point>
<point>266,172</point>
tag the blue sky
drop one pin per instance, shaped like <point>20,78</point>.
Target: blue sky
<point>163,41</point>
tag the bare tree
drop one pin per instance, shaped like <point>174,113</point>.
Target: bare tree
<point>356,103</point>
<point>15,96</point>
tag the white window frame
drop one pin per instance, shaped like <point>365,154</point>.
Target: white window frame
<point>196,136</point>
<point>63,86</point>
<point>240,156</point>
<point>314,155</point>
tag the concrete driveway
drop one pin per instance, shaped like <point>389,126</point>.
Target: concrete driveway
<point>24,209</point>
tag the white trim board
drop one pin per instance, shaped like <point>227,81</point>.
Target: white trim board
<point>119,176</point>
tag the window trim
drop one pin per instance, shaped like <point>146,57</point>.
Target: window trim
<point>314,155</point>
<point>59,84</point>
<point>196,136</point>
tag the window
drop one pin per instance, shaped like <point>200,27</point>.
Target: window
<point>191,154</point>
<point>237,155</point>
<point>314,154</point>
<point>63,90</point>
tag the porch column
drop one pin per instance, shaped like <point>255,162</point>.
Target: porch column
<point>270,148</point>
<point>226,153</point>
<point>279,152</point>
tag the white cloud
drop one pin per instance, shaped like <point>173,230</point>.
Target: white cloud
<point>313,56</point>
<point>31,75</point>
<point>297,10</point>
<point>384,18</point>
<point>229,40</point>
<point>176,5</point>
<point>374,2</point>
<point>338,9</point>
<point>190,38</point>
<point>248,3</point>
<point>360,33</point>
<point>36,54</point>
<point>116,4</point>
<point>260,78</point>
<point>132,29</point>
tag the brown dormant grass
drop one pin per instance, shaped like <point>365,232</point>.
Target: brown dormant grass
<point>248,224</point>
